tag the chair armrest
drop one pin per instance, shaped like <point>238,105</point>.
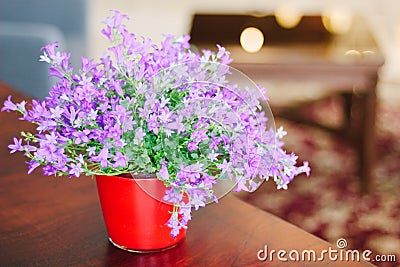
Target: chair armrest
<point>20,45</point>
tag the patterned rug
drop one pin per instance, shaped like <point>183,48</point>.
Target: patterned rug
<point>327,204</point>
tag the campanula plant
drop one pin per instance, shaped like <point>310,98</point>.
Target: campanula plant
<point>144,108</point>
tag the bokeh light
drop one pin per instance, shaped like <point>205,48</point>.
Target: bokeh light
<point>251,39</point>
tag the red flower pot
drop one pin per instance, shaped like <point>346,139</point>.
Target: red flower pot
<point>136,220</point>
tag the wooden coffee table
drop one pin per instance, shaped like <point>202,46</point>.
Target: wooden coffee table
<point>57,221</point>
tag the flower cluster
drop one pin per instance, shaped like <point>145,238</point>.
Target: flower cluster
<point>149,109</point>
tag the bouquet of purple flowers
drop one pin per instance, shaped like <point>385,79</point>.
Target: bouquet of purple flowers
<point>147,109</point>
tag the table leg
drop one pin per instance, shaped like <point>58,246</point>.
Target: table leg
<point>366,146</point>
<point>347,109</point>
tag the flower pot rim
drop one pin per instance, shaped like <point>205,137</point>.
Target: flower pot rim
<point>150,176</point>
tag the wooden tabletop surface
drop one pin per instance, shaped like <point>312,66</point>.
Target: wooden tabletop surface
<point>57,221</point>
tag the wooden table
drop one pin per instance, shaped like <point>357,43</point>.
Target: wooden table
<point>303,57</point>
<point>57,221</point>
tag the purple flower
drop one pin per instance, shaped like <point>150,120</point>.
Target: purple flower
<point>240,184</point>
<point>280,133</point>
<point>177,124</point>
<point>119,55</point>
<point>56,112</point>
<point>198,136</point>
<point>48,151</point>
<point>120,160</point>
<point>253,158</point>
<point>108,32</point>
<point>50,48</point>
<point>172,196</point>
<point>225,139</point>
<point>304,169</point>
<point>91,116</point>
<point>38,111</point>
<point>163,172</point>
<point>190,173</point>
<point>214,143</point>
<point>81,137</point>
<point>103,107</point>
<point>212,156</point>
<point>91,150</point>
<point>80,159</point>
<point>153,124</point>
<point>141,71</point>
<point>32,166</point>
<point>21,106</point>
<point>102,158</point>
<point>30,148</point>
<point>118,18</point>
<point>56,72</point>
<point>165,115</point>
<point>174,224</point>
<point>114,131</point>
<point>225,60</point>
<point>198,199</point>
<point>88,65</point>
<point>185,211</point>
<point>17,146</point>
<point>84,92</point>
<point>49,170</point>
<point>9,105</point>
<point>208,180</point>
<point>46,125</point>
<point>224,166</point>
<point>192,146</point>
<point>121,113</point>
<point>76,169</point>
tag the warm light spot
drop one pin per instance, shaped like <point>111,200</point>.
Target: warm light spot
<point>368,53</point>
<point>287,16</point>
<point>251,39</point>
<point>258,14</point>
<point>337,21</point>
<point>353,54</point>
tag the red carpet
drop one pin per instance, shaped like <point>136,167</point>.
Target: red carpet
<point>327,203</point>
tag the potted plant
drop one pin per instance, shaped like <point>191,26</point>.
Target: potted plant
<point>160,127</point>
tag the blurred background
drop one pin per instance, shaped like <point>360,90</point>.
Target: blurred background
<point>328,203</point>
<point>154,18</point>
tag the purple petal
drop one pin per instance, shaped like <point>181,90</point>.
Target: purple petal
<point>9,105</point>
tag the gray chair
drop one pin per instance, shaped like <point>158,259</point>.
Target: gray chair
<point>28,25</point>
